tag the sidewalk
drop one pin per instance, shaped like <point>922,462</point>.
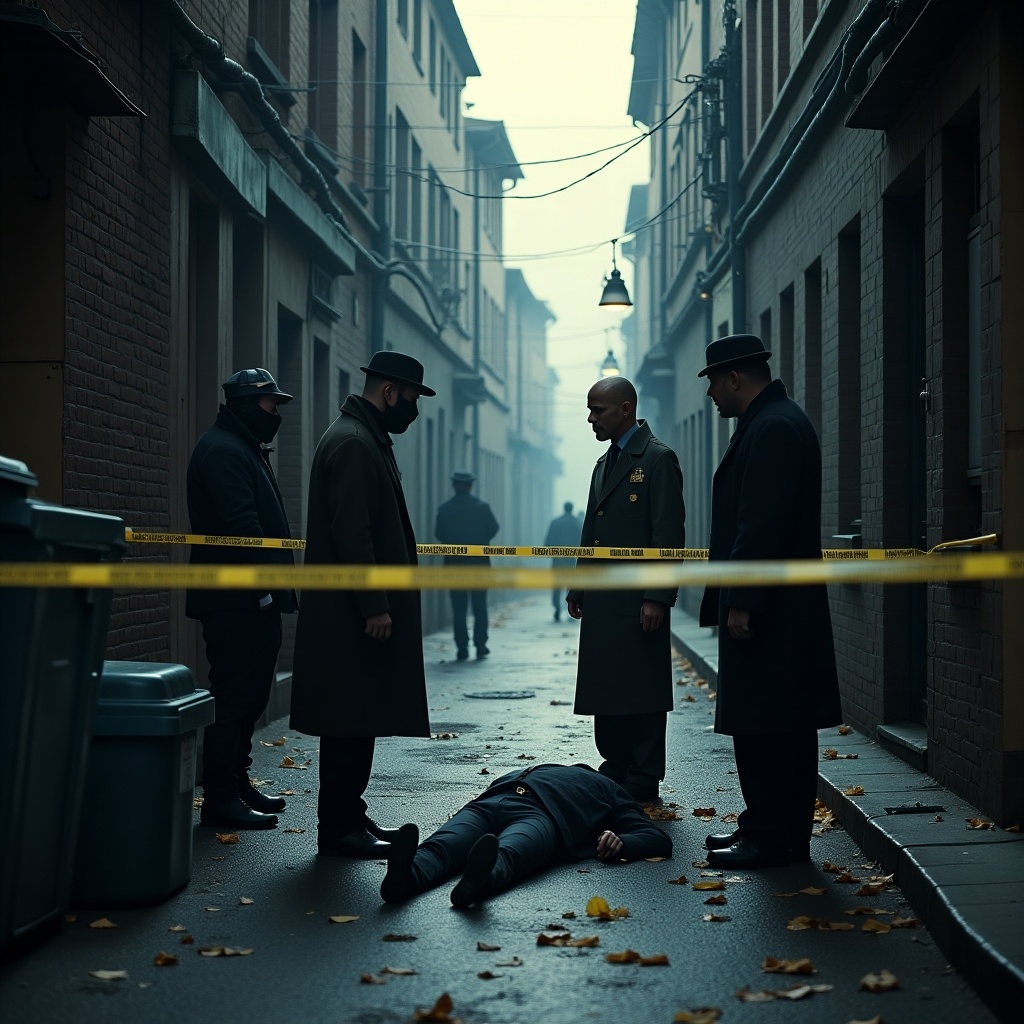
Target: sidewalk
<point>967,885</point>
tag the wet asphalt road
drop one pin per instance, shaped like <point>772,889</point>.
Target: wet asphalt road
<point>306,968</point>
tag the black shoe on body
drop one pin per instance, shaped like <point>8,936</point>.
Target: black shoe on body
<point>746,854</point>
<point>361,843</point>
<point>397,886</point>
<point>799,852</point>
<point>482,651</point>
<point>389,835</point>
<point>477,873</point>
<point>258,801</point>
<point>231,812</point>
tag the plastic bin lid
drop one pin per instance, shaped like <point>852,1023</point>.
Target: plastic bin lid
<point>144,680</point>
<point>141,698</point>
<point>14,472</point>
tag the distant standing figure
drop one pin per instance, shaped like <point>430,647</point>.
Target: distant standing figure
<point>564,532</point>
<point>777,682</point>
<point>232,492</point>
<point>523,822</point>
<point>624,678</point>
<point>358,670</point>
<point>465,519</point>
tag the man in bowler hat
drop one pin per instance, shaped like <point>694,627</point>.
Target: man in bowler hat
<point>777,682</point>
<point>358,669</point>
<point>465,519</point>
<point>232,492</point>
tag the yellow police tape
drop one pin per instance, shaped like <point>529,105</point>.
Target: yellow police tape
<point>134,576</point>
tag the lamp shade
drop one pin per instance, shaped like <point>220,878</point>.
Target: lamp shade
<point>610,366</point>
<point>615,295</point>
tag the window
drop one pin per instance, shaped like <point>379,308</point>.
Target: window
<point>432,57</point>
<point>323,70</point>
<point>359,112</point>
<point>269,25</point>
<point>416,200</point>
<point>403,17</point>
<point>402,140</point>
<point>417,33</point>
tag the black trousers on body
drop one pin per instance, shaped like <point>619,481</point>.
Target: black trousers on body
<point>461,599</point>
<point>528,841</point>
<point>345,766</point>
<point>779,780</point>
<point>242,647</point>
<point>633,748</point>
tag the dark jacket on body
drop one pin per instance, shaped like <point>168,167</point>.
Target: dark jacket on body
<point>766,504</point>
<point>584,804</point>
<point>232,492</point>
<point>344,682</point>
<point>623,670</point>
<point>465,519</point>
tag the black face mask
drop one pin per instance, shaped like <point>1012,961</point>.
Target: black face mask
<point>398,418</point>
<point>263,425</point>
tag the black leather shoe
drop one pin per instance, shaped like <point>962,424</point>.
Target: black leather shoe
<point>362,844</point>
<point>397,886</point>
<point>258,801</point>
<point>479,865</point>
<point>482,651</point>
<point>462,654</point>
<point>232,813</point>
<point>745,854</point>
<point>798,852</point>
<point>389,835</point>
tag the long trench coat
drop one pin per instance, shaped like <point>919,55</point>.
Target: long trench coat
<point>622,670</point>
<point>344,682</point>
<point>766,504</point>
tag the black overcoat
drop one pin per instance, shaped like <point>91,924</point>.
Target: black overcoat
<point>232,492</point>
<point>344,682</point>
<point>622,670</point>
<point>766,504</point>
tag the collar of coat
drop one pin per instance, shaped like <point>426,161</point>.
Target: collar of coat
<point>227,420</point>
<point>774,392</point>
<point>638,442</point>
<point>365,411</point>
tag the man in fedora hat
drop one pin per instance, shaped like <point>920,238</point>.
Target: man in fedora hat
<point>358,670</point>
<point>777,682</point>
<point>232,492</point>
<point>465,519</point>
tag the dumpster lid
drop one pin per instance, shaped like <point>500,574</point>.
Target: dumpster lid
<point>14,472</point>
<point>144,681</point>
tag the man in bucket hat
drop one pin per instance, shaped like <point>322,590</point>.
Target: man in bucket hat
<point>777,682</point>
<point>358,670</point>
<point>232,491</point>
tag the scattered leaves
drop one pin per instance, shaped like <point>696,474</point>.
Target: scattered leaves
<point>704,813</point>
<point>802,966</point>
<point>831,754</point>
<point>793,992</point>
<point>873,926</point>
<point>844,730</point>
<point>979,823</point>
<point>393,937</point>
<point>110,975</point>
<point>544,939</point>
<point>854,791</point>
<point>372,979</point>
<point>224,951</point>
<point>597,906</point>
<point>883,981</point>
<point>163,959</point>
<point>227,838</point>
<point>343,918</point>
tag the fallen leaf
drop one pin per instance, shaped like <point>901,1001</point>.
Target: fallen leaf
<point>110,975</point>
<point>698,864</point>
<point>246,901</point>
<point>773,966</point>
<point>293,829</point>
<point>488,975</point>
<point>177,928</point>
<point>905,922</point>
<point>392,937</point>
<point>708,886</point>
<point>716,918</point>
<point>783,895</point>
<point>823,924</point>
<point>556,927</point>
<point>656,813</point>
<point>874,1020</point>
<point>883,981</point>
<point>703,1015</point>
<point>871,889</point>
<point>690,699</point>
<point>486,947</point>
<point>845,878</point>
<point>223,951</point>
<point>872,925</point>
<point>343,918</point>
<point>227,838</point>
<point>655,860</point>
<point>441,1011</point>
<point>212,910</point>
<point>833,869</point>
<point>854,791</point>
<point>801,991</point>
<point>484,771</point>
<point>559,703</point>
<point>401,972</point>
<point>187,940</point>
<point>731,818</point>
<point>597,906</point>
<point>716,901</point>
<point>938,819</point>
<point>707,813</point>
<point>70,918</point>
<point>866,910</point>
<point>813,890</point>
<point>979,823</point>
<point>102,922</point>
<point>844,730</point>
<point>569,915</point>
<point>627,956</point>
<point>512,962</point>
<point>286,792</point>
<point>372,979</point>
<point>654,960</point>
<point>163,959</point>
<point>681,880</point>
<point>1009,828</point>
<point>526,757</point>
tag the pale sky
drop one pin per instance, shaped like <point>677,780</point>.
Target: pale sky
<point>557,72</point>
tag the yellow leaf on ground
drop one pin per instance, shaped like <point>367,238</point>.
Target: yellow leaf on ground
<point>857,911</point>
<point>813,890</point>
<point>883,981</point>
<point>227,838</point>
<point>343,918</point>
<point>655,860</point>
<point>441,1010</point>
<point>398,971</point>
<point>871,889</point>
<point>703,1015</point>
<point>854,791</point>
<point>110,975</point>
<point>905,922</point>
<point>873,925</point>
<point>163,959</point>
<point>597,906</point>
<point>627,956</point>
<point>102,922</point>
<point>294,830</point>
<point>708,886</point>
<point>704,812</point>
<point>802,966</point>
<point>654,960</point>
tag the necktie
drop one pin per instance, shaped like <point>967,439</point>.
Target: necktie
<point>609,462</point>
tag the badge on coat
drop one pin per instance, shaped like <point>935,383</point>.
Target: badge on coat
<point>632,497</point>
<point>637,476</point>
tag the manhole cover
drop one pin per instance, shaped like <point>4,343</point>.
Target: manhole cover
<point>502,694</point>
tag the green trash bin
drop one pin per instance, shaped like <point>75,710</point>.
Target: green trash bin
<point>135,838</point>
<point>53,641</point>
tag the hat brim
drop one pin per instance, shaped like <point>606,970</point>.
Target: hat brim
<point>732,362</point>
<point>421,388</point>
